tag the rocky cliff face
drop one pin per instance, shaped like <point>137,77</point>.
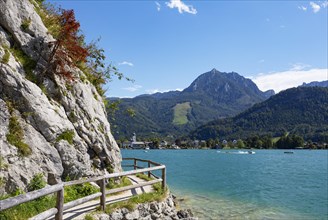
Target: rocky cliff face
<point>57,128</point>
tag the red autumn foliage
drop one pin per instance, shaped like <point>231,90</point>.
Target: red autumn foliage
<point>67,50</point>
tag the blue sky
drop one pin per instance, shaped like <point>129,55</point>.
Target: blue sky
<point>165,45</point>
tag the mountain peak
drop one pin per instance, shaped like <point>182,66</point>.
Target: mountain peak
<point>214,70</point>
<point>222,87</point>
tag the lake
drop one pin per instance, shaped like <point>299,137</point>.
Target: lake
<point>266,185</point>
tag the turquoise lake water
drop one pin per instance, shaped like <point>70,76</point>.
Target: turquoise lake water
<point>265,185</point>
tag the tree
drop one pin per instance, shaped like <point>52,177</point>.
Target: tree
<point>178,142</point>
<point>290,142</point>
<point>210,143</point>
<point>267,142</point>
<point>67,50</point>
<point>240,144</point>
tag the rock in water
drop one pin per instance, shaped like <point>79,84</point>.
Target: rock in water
<point>63,126</point>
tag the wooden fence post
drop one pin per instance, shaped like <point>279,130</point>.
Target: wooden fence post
<point>164,178</point>
<point>60,204</point>
<point>149,172</point>
<point>103,194</point>
<point>134,164</point>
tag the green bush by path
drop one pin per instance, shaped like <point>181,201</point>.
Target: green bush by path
<point>30,209</point>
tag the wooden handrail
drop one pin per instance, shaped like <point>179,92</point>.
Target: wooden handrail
<point>59,189</point>
<point>131,172</point>
<point>125,188</point>
<point>81,200</point>
<point>17,200</point>
<point>142,160</point>
<point>75,182</point>
<point>45,214</point>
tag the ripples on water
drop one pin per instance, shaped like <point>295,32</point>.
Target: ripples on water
<point>265,185</point>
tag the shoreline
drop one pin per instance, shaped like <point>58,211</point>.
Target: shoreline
<point>168,208</point>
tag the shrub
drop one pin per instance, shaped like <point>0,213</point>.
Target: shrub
<point>2,181</point>
<point>110,168</point>
<point>88,217</point>
<point>67,135</point>
<point>78,191</point>
<point>3,165</point>
<point>124,181</point>
<point>40,1</point>
<point>72,117</point>
<point>29,209</point>
<point>6,56</point>
<point>16,135</point>
<point>36,183</point>
<point>69,50</point>
<point>27,63</point>
<point>66,50</point>
<point>49,16</point>
<point>26,24</point>
<point>144,176</point>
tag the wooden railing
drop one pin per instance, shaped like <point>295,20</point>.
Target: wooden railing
<point>101,180</point>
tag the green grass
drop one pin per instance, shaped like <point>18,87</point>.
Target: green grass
<point>67,135</point>
<point>72,117</point>
<point>180,113</point>
<point>6,56</point>
<point>36,183</point>
<point>26,24</point>
<point>27,63</point>
<point>124,181</point>
<point>74,192</point>
<point>3,165</point>
<point>29,209</point>
<point>88,217</point>
<point>144,176</point>
<point>2,181</point>
<point>49,16</point>
<point>158,195</point>
<point>15,137</point>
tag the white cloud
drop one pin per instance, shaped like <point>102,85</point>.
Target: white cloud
<point>299,66</point>
<point>279,81</point>
<point>152,91</point>
<point>315,7</point>
<point>303,8</point>
<point>261,61</point>
<point>126,63</point>
<point>158,6</point>
<point>182,7</point>
<point>282,26</point>
<point>133,88</point>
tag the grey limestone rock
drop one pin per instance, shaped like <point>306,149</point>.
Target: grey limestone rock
<point>185,213</point>
<point>45,114</point>
<point>153,210</point>
<point>155,216</point>
<point>117,215</point>
<point>132,215</point>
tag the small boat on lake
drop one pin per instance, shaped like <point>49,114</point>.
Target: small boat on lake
<point>288,152</point>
